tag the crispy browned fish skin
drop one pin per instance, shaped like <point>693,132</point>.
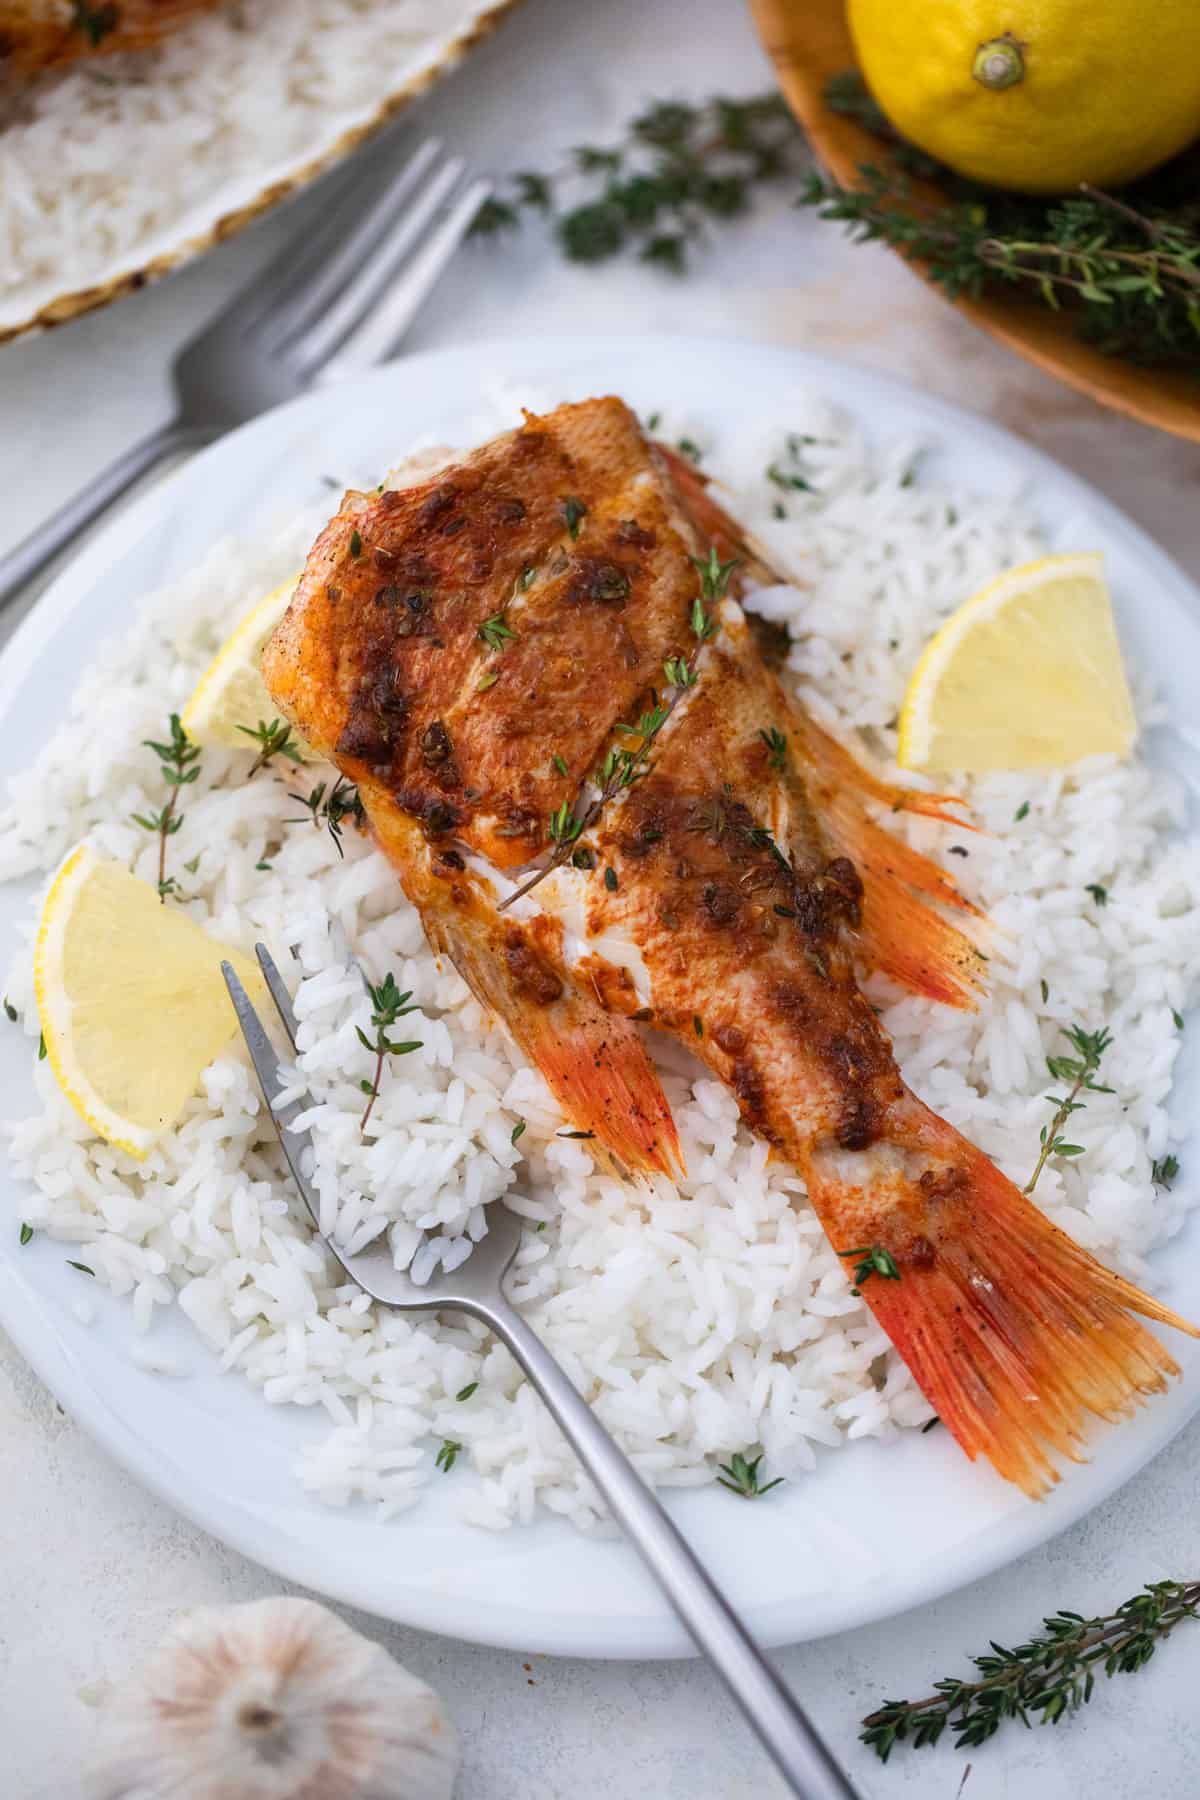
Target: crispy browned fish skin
<point>726,865</point>
<point>43,34</point>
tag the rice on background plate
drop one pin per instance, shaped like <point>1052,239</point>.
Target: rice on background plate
<point>698,1319</point>
<point>120,163</point>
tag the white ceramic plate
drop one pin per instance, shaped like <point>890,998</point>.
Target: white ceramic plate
<point>876,1528</point>
<point>248,186</point>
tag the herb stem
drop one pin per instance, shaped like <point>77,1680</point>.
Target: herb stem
<point>1080,1071</point>
<point>1050,1676</point>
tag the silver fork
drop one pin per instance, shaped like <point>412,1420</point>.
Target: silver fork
<point>477,1289</point>
<point>336,303</point>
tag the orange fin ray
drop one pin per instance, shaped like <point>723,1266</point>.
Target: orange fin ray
<point>903,933</point>
<point>593,1061</point>
<point>1014,1333</point>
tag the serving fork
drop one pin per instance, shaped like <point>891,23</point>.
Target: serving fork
<point>334,302</point>
<point>476,1288</point>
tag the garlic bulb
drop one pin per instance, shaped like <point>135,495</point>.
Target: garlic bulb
<point>273,1700</point>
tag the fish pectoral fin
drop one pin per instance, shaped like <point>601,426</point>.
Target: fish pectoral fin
<point>903,932</point>
<point>1014,1333</point>
<point>593,1061</point>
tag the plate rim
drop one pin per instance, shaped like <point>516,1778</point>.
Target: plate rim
<point>23,1311</point>
<point>131,277</point>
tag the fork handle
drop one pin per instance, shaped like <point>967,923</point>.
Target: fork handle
<point>19,566</point>
<point>786,1734</point>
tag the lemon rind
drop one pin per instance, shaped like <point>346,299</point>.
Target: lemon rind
<point>54,1010</point>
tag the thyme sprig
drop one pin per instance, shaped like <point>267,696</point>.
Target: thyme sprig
<point>1040,1682</point>
<point>740,1476</point>
<point>1080,1071</point>
<point>273,739</point>
<point>331,807</point>
<point>873,1259</point>
<point>387,1005</point>
<point>179,764</point>
<point>625,763</point>
<point>1126,267</point>
<point>680,168</point>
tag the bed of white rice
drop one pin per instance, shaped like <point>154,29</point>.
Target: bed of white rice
<point>699,1320</point>
<point>117,159</point>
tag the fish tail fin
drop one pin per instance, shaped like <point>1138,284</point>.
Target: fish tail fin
<point>1015,1334</point>
<point>904,932</point>
<point>593,1061</point>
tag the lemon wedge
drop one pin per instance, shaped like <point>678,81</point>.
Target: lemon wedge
<point>133,1006</point>
<point>1026,674</point>
<point>231,692</point>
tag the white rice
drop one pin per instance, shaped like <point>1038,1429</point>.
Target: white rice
<point>118,158</point>
<point>698,1320</point>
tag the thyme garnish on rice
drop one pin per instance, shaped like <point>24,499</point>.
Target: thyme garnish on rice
<point>179,762</point>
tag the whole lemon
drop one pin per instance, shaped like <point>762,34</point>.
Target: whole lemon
<point>1036,95</point>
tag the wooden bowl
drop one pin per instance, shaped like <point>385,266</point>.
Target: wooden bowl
<point>809,41</point>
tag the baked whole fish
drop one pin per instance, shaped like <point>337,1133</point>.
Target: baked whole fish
<point>570,742</point>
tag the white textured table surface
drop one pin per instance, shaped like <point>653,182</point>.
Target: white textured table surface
<point>91,1568</point>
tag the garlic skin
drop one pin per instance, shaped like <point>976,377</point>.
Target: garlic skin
<point>272,1700</point>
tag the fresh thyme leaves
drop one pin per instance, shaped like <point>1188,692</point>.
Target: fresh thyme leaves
<point>677,673</point>
<point>583,858</point>
<point>574,512</point>
<point>95,22</point>
<point>610,880</point>
<point>447,1456</point>
<point>1040,1682</point>
<point>495,632</point>
<point>679,169</point>
<point>41,1054</point>
<point>273,740</point>
<point>564,826</point>
<point>873,1259</point>
<point>740,1476</point>
<point>26,1233</point>
<point>1080,1071</point>
<point>687,447</point>
<point>331,806</point>
<point>465,1393</point>
<point>10,1011</point>
<point>703,624</point>
<point>1124,268</point>
<point>1045,987</point>
<point>387,1005</point>
<point>1099,894</point>
<point>698,1025</point>
<point>1177,1018</point>
<point>179,764</point>
<point>1164,1170</point>
<point>485,682</point>
<point>777,746</point>
<point>356,544</point>
<point>557,764</point>
<point>575,1134</point>
<point>1022,812</point>
<point>788,479</point>
<point>517,1132</point>
<point>82,1267</point>
<point>714,574</point>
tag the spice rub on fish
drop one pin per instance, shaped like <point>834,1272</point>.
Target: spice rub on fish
<point>43,34</point>
<point>609,811</point>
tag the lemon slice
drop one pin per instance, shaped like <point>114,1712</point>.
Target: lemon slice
<point>133,1006</point>
<point>231,691</point>
<point>1026,674</point>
